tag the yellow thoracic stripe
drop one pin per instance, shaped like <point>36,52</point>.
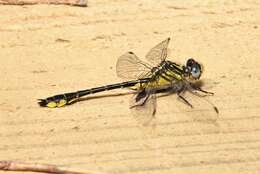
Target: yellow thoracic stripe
<point>161,81</point>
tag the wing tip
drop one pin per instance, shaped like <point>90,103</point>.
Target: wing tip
<point>216,109</point>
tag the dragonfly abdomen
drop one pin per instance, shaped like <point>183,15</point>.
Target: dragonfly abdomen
<point>69,98</point>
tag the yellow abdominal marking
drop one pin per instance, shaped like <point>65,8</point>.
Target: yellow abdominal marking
<point>60,103</point>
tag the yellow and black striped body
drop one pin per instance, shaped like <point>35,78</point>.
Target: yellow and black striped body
<point>166,73</point>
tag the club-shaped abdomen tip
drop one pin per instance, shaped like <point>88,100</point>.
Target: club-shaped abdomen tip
<point>42,102</point>
<point>51,104</point>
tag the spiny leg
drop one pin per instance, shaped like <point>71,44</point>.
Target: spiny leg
<point>140,98</point>
<point>206,92</point>
<point>197,88</point>
<point>185,101</point>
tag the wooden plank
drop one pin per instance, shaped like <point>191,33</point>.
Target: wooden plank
<point>46,50</point>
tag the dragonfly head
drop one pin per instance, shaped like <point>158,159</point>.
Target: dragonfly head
<point>192,69</point>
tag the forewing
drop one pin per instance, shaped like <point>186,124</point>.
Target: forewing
<point>143,107</point>
<point>158,53</point>
<point>130,67</point>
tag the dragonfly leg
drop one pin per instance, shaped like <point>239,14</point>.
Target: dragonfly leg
<point>197,88</point>
<point>139,99</point>
<point>185,101</point>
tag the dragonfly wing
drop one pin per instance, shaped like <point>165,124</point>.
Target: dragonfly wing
<point>202,109</point>
<point>158,53</point>
<point>130,67</point>
<point>143,107</point>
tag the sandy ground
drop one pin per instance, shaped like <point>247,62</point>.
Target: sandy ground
<point>47,50</point>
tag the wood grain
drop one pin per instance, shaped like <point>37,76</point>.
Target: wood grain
<point>100,134</point>
<point>82,3</point>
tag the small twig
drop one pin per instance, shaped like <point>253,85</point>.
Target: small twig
<point>81,3</point>
<point>35,167</point>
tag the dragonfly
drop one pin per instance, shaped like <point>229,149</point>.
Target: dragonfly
<point>148,79</point>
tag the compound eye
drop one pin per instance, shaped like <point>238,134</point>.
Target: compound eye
<point>190,62</point>
<point>196,71</point>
